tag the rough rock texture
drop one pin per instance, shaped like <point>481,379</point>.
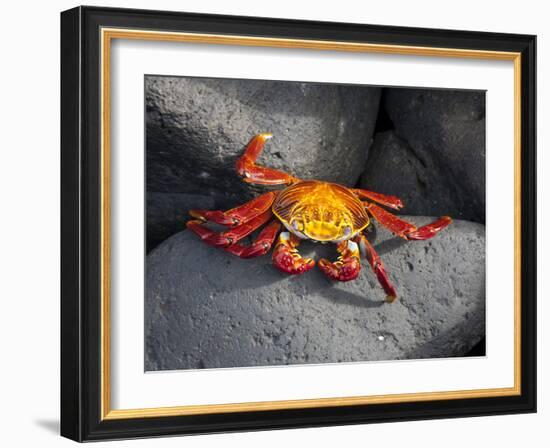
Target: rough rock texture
<point>167,213</point>
<point>436,158</point>
<point>197,127</point>
<point>394,168</point>
<point>208,309</point>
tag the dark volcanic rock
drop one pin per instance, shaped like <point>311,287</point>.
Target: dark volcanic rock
<point>440,152</point>
<point>208,309</point>
<point>198,127</point>
<point>167,214</point>
<point>394,168</point>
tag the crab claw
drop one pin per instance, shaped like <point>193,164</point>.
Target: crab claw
<point>286,257</point>
<point>348,265</point>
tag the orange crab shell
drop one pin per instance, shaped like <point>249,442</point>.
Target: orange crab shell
<point>321,211</point>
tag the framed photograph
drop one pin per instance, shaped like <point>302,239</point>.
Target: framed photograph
<point>275,224</point>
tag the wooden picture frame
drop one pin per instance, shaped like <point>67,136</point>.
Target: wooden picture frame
<point>86,35</point>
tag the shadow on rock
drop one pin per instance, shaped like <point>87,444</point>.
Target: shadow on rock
<point>390,245</point>
<point>349,298</point>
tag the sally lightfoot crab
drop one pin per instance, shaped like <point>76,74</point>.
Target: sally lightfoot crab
<point>308,209</point>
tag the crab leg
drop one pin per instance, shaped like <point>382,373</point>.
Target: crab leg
<point>384,199</point>
<point>260,246</point>
<point>347,266</point>
<point>231,236</point>
<point>286,257</point>
<point>256,174</point>
<point>405,229</point>
<point>377,266</point>
<point>238,215</point>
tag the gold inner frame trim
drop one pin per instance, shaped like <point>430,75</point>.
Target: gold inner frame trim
<point>107,35</point>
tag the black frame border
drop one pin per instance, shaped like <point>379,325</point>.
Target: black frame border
<point>81,223</point>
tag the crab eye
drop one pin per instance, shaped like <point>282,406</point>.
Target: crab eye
<point>297,225</point>
<point>347,231</point>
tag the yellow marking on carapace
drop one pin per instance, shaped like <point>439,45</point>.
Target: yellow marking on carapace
<point>321,211</point>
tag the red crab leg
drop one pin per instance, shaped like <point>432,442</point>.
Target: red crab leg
<point>256,174</point>
<point>405,229</point>
<point>260,246</point>
<point>384,199</point>
<point>378,267</point>
<point>286,257</point>
<point>238,215</point>
<point>348,265</point>
<point>228,237</point>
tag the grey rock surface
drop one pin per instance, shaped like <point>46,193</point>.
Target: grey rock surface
<point>205,308</point>
<point>196,128</point>
<point>439,152</point>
